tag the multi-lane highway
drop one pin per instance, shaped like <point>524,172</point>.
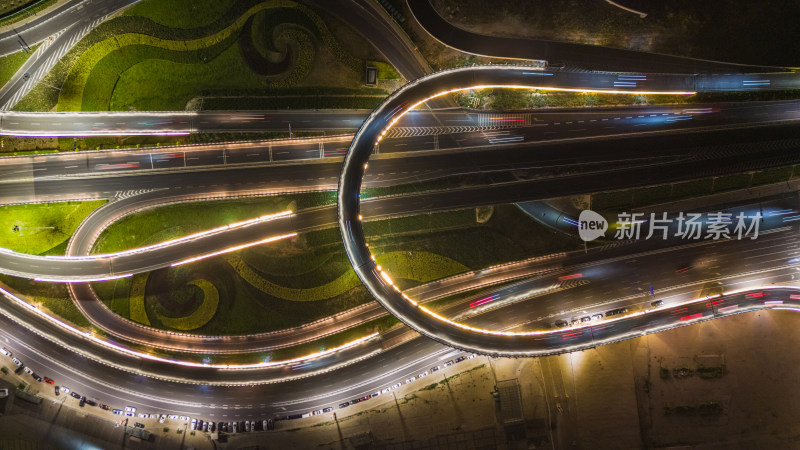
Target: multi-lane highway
<point>609,279</point>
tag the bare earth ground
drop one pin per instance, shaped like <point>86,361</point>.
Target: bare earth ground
<point>611,397</point>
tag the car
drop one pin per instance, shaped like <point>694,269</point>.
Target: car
<point>49,381</point>
<point>37,377</point>
<point>386,390</point>
<point>435,368</point>
<point>575,322</point>
<point>597,317</point>
<point>344,405</point>
<point>354,401</point>
<point>242,426</point>
<point>5,351</point>
<point>144,416</point>
<point>271,424</point>
<point>448,363</point>
<point>90,402</point>
<point>65,389</point>
<point>372,395</point>
<point>308,414</point>
<point>328,409</point>
<point>205,427</point>
<point>75,395</point>
<point>395,386</point>
<point>410,380</point>
<point>183,418</point>
<point>138,425</point>
<point>319,411</point>
<point>471,356</point>
<point>82,402</point>
<point>130,409</point>
<point>193,424</point>
<point>162,418</point>
<point>118,412</point>
<point>28,370</point>
<point>586,319</point>
<point>212,427</point>
<point>154,416</point>
<point>17,362</point>
<point>460,358</point>
<point>423,374</point>
<point>235,427</point>
<point>199,425</point>
<point>3,393</point>
<point>561,323</point>
<point>657,303</point>
<point>265,424</point>
<point>172,417</point>
<point>26,76</point>
<point>365,398</point>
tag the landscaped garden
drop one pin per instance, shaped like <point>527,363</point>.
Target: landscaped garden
<point>160,55</point>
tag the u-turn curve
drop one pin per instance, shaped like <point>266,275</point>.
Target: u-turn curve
<point>378,282</point>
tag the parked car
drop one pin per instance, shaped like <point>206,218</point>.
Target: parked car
<point>410,380</point>
<point>386,390</point>
<point>82,402</point>
<point>138,425</point>
<point>49,381</point>
<point>395,386</point>
<point>193,424</point>
<point>5,351</point>
<point>75,395</point>
<point>57,390</point>
<point>435,368</point>
<point>65,389</point>
<point>597,317</point>
<point>104,407</point>
<point>117,412</point>
<point>448,363</point>
<point>28,370</point>
<point>460,358</point>
<point>344,405</point>
<point>328,409</point>
<point>657,303</point>
<point>17,362</point>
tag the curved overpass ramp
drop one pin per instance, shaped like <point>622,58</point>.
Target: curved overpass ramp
<point>379,282</point>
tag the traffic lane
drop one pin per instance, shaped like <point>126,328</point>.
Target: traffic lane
<point>296,152</point>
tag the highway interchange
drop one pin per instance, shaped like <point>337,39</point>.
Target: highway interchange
<point>612,280</point>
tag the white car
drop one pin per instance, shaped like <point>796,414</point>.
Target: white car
<point>64,389</point>
<point>308,414</point>
<point>162,419</point>
<point>395,386</point>
<point>29,371</point>
<point>410,380</point>
<point>386,390</point>
<point>183,418</point>
<point>16,361</point>
<point>144,416</point>
<point>154,416</point>
<point>319,411</point>
<point>172,417</point>
<point>129,409</point>
<point>471,356</point>
<point>5,351</point>
<point>193,424</point>
<point>423,374</point>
